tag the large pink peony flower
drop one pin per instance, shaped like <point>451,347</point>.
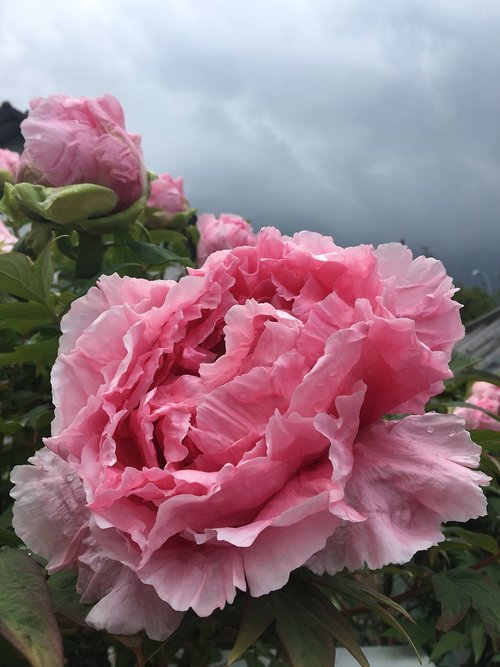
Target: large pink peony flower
<point>7,238</point>
<point>222,233</point>
<point>487,396</point>
<point>82,140</point>
<point>9,161</point>
<point>217,433</point>
<point>167,194</point>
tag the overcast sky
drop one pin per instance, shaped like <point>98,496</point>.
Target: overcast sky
<point>368,120</point>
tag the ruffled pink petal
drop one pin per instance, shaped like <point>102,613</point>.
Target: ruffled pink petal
<point>202,578</point>
<point>408,478</point>
<point>420,290</point>
<point>281,549</point>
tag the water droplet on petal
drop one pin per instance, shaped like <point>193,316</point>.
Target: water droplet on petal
<point>38,136</point>
<point>429,429</point>
<point>452,434</point>
<point>70,478</point>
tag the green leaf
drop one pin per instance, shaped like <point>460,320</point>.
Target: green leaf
<point>459,590</point>
<point>305,643</point>
<point>488,440</point>
<point>370,599</point>
<point>65,599</point>
<point>324,615</point>
<point>22,317</point>
<point>154,255</point>
<point>478,640</point>
<point>26,617</point>
<point>258,615</point>
<point>448,642</point>
<point>20,277</point>
<point>481,540</point>
<point>43,352</point>
<point>8,538</point>
<point>44,271</point>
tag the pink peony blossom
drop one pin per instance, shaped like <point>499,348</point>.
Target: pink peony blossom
<point>222,233</point>
<point>7,238</point>
<point>9,161</point>
<point>82,140</point>
<point>486,396</point>
<point>217,433</point>
<point>167,194</point>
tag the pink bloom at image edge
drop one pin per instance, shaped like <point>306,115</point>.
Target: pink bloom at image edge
<point>82,140</point>
<point>9,161</point>
<point>215,434</point>
<point>222,233</point>
<point>487,396</point>
<point>167,194</point>
<point>7,238</point>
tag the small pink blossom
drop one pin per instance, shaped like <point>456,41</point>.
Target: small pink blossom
<point>167,194</point>
<point>222,233</point>
<point>7,238</point>
<point>486,396</point>
<point>9,161</point>
<point>82,140</point>
<point>213,435</point>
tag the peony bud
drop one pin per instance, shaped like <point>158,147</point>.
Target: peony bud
<point>9,161</point>
<point>222,233</point>
<point>167,197</point>
<point>82,140</point>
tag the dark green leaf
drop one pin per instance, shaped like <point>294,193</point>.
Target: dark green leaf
<point>449,642</point>
<point>26,616</point>
<point>321,612</point>
<point>65,599</point>
<point>42,352</point>
<point>459,590</point>
<point>257,616</point>
<point>481,540</point>
<point>478,641</point>
<point>154,255</point>
<point>488,440</point>
<point>305,643</point>
<point>23,317</point>
<point>8,538</point>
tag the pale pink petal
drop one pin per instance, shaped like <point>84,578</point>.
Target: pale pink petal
<point>131,606</point>
<point>50,483</point>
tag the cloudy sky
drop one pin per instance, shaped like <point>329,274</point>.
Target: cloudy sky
<point>369,121</point>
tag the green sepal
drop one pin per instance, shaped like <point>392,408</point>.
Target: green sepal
<point>117,222</point>
<point>5,177</point>
<point>67,205</point>
<point>9,205</point>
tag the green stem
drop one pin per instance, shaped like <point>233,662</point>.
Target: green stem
<point>89,256</point>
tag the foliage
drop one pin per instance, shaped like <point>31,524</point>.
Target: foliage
<point>476,301</point>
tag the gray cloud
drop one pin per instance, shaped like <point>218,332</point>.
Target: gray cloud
<point>369,121</point>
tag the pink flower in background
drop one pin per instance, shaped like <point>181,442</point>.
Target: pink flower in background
<point>222,233</point>
<point>486,396</point>
<point>217,433</point>
<point>9,161</point>
<point>82,140</point>
<point>167,194</point>
<point>7,238</point>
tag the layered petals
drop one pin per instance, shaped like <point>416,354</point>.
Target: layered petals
<point>222,431</point>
